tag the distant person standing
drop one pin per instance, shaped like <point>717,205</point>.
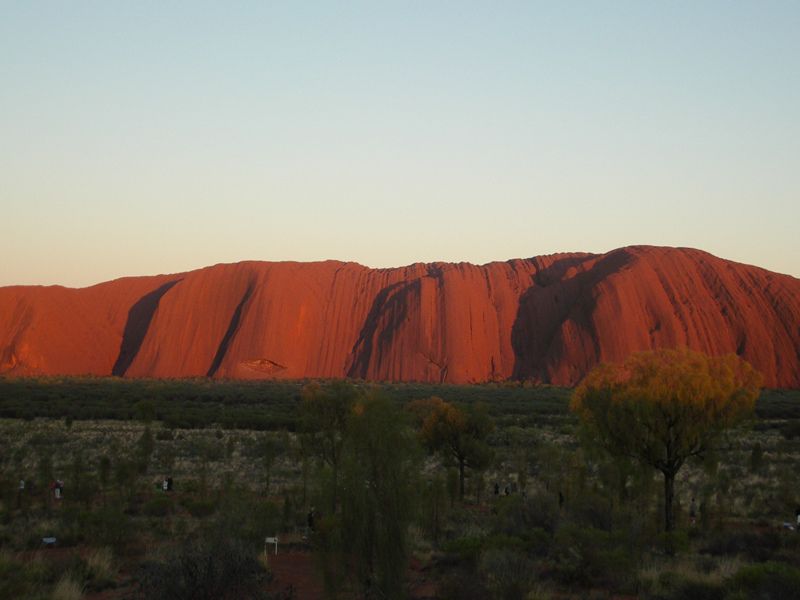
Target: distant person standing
<point>310,520</point>
<point>693,512</point>
<point>797,518</point>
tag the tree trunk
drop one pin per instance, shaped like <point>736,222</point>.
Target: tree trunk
<point>335,499</point>
<point>669,496</point>
<point>461,479</point>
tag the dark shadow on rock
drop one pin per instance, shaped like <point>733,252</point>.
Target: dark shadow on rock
<point>387,302</point>
<point>233,326</point>
<point>139,317</point>
<point>548,303</point>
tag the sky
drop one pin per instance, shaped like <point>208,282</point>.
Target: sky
<point>139,138</point>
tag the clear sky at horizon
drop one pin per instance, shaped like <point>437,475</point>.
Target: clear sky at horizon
<point>150,137</point>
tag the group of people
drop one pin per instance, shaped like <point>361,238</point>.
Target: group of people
<point>507,490</point>
<point>56,488</point>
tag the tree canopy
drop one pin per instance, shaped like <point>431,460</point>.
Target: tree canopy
<point>666,406</point>
<point>371,452</point>
<point>379,476</point>
<point>459,434</point>
<point>324,417</point>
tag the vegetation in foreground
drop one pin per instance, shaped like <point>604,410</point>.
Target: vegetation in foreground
<point>542,513</point>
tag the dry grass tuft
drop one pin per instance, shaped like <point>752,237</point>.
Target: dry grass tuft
<point>67,589</point>
<point>101,564</point>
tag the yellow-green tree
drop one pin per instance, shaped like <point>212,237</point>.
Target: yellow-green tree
<point>459,434</point>
<point>663,407</point>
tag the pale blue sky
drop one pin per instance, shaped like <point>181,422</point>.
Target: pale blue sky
<point>140,138</point>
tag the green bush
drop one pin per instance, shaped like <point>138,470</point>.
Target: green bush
<point>591,557</point>
<point>754,545</point>
<point>199,507</point>
<point>18,579</point>
<point>516,515</point>
<point>791,430</point>
<point>508,573</point>
<point>767,581</point>
<point>699,590</point>
<point>462,584</point>
<point>109,526</point>
<point>213,568</point>
<point>164,435</point>
<point>100,569</point>
<point>248,519</point>
<point>465,549</point>
<point>674,542</point>
<point>94,573</point>
<point>159,506</point>
<point>537,541</point>
<point>501,541</point>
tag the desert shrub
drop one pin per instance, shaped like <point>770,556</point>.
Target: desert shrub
<point>463,584</point>
<point>190,486</point>
<point>94,573</point>
<point>248,518</point>
<point>165,435</point>
<point>707,564</point>
<point>500,541</point>
<point>264,517</point>
<point>540,591</point>
<point>532,521</point>
<point>791,430</point>
<point>465,549</point>
<point>674,542</point>
<point>756,546</point>
<point>586,556</point>
<point>73,526</point>
<point>516,514</point>
<point>591,509</point>
<point>175,420</point>
<point>433,507</point>
<point>507,573</point>
<point>19,579</point>
<point>158,506</point>
<point>199,507</point>
<point>537,541</point>
<point>767,581</point>
<point>100,571</point>
<point>109,526</point>
<point>756,462</point>
<point>145,446</point>
<point>673,586</point>
<point>209,569</point>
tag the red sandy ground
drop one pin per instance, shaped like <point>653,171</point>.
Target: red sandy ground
<point>295,570</point>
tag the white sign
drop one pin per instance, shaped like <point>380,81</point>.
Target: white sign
<point>271,540</point>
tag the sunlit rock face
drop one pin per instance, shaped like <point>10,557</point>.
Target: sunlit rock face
<point>548,319</point>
